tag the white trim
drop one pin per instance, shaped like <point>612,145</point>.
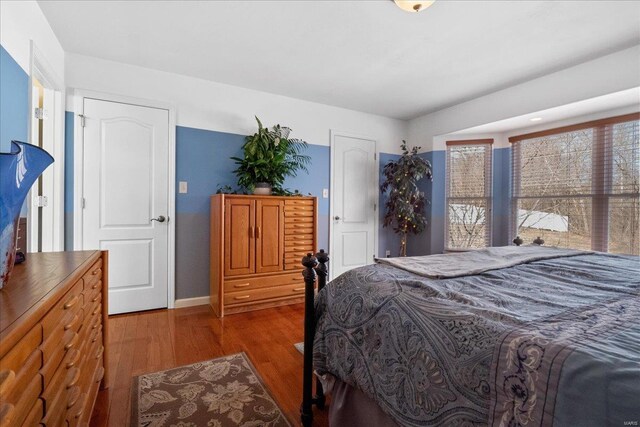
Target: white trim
<point>332,136</point>
<point>79,96</point>
<point>41,69</point>
<point>191,302</point>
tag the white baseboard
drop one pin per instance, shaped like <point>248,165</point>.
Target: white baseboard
<point>190,302</point>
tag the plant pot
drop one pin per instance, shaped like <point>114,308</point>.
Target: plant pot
<point>262,189</point>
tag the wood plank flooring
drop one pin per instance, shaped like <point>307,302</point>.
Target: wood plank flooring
<point>162,339</point>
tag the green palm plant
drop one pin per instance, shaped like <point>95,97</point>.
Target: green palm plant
<point>269,157</point>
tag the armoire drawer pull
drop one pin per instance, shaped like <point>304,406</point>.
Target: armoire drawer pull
<point>243,297</point>
<point>7,378</point>
<point>298,289</point>
<point>71,302</point>
<point>241,285</point>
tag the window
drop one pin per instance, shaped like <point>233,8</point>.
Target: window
<point>579,186</point>
<point>468,194</point>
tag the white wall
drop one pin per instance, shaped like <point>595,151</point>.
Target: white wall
<point>23,21</point>
<point>608,74</point>
<point>209,105</point>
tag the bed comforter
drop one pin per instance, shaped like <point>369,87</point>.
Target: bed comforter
<point>550,342</point>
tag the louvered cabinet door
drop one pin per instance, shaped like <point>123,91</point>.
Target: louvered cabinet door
<point>269,236</point>
<point>239,242</point>
<point>299,231</point>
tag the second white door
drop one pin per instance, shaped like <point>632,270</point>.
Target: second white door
<point>125,191</point>
<point>354,198</point>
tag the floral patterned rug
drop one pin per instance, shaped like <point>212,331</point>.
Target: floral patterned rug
<point>216,393</point>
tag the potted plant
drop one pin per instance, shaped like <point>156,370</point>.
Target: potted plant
<point>269,157</point>
<point>406,203</point>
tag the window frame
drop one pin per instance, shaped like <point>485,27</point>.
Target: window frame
<point>488,190</point>
<point>600,195</point>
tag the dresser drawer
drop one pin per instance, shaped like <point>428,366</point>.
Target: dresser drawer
<point>237,285</point>
<point>35,414</point>
<point>61,378</point>
<point>13,362</point>
<point>14,414</point>
<point>71,302</point>
<point>243,297</point>
<point>55,350</point>
<point>93,276</point>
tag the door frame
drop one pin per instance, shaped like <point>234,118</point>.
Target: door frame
<point>41,69</point>
<point>333,134</point>
<point>79,95</point>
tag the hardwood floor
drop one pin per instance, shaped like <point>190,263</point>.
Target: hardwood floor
<point>161,339</point>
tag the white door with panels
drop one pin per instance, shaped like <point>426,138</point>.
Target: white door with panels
<point>353,202</point>
<point>126,199</point>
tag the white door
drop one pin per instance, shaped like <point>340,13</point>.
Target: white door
<point>125,186</point>
<point>353,201</point>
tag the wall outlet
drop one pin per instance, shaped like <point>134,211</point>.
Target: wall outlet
<point>387,253</point>
<point>182,187</point>
<point>325,193</point>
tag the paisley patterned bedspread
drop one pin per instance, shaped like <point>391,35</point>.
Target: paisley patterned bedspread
<point>552,342</point>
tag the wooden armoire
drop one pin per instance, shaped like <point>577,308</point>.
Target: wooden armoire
<point>257,243</point>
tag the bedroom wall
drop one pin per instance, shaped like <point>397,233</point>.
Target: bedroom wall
<point>608,74</point>
<point>212,121</point>
<point>21,22</point>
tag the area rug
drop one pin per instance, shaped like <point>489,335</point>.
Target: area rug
<point>216,393</point>
<point>299,346</point>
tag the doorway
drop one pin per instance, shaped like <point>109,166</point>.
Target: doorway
<point>126,198</point>
<point>354,202</point>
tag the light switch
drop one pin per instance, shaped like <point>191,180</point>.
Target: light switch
<point>325,193</point>
<point>182,187</point>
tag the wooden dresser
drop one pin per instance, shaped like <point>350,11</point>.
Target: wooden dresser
<point>53,334</point>
<point>256,246</point>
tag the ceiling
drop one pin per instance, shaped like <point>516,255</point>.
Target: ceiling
<point>363,55</point>
<point>607,103</point>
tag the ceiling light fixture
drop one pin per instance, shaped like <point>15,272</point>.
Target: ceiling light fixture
<point>536,119</point>
<point>413,6</point>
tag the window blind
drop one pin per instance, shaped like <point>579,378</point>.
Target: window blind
<point>579,186</point>
<point>468,194</point>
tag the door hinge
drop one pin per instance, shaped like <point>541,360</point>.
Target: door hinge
<point>82,121</point>
<point>375,156</point>
<point>375,207</point>
<point>40,113</point>
<point>40,201</point>
<point>82,202</point>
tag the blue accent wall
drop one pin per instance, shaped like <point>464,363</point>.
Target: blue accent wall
<point>432,239</point>
<point>68,180</point>
<point>14,102</point>
<point>501,195</point>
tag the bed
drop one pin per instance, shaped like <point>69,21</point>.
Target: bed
<point>507,336</point>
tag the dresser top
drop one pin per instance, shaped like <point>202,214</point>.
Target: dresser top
<point>36,278</point>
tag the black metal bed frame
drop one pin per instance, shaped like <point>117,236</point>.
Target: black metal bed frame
<point>315,266</point>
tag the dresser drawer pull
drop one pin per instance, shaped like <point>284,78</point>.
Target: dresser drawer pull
<point>96,325</point>
<point>74,396</point>
<point>94,339</point>
<point>99,374</point>
<point>71,303</point>
<point>243,297</point>
<point>72,377</point>
<point>95,285</point>
<point>7,378</point>
<point>97,310</point>
<point>71,343</point>
<point>75,356</point>
<point>298,289</point>
<point>96,271</point>
<point>96,298</point>
<point>241,285</point>
<point>6,413</point>
<point>72,323</point>
<point>99,352</point>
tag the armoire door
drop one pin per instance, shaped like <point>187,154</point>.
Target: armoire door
<point>239,240</point>
<point>269,235</point>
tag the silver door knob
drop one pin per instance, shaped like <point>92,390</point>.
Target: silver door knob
<point>336,217</point>
<point>161,218</point>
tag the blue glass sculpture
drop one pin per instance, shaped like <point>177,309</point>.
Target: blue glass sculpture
<point>19,169</point>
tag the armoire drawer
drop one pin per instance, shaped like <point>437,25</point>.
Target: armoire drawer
<point>251,283</point>
<point>243,297</point>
